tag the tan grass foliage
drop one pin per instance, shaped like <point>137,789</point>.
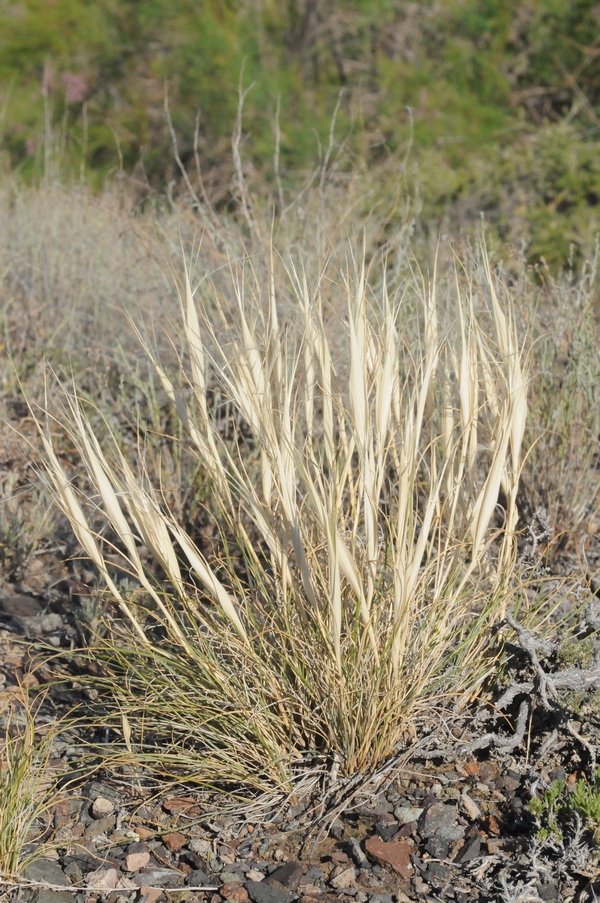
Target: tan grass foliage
<point>27,787</point>
<point>367,504</point>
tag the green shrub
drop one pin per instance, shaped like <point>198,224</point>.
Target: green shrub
<point>556,810</point>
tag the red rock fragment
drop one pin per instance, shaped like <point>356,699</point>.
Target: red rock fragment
<point>471,768</point>
<point>174,841</point>
<point>182,805</point>
<point>235,892</point>
<point>395,854</point>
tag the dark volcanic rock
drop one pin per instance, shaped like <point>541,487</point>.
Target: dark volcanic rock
<point>47,872</point>
<point>287,875</point>
<point>261,892</point>
<point>437,847</point>
<point>471,850</point>
<point>199,878</point>
<point>439,819</point>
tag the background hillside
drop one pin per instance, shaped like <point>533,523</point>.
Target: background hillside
<point>474,106</point>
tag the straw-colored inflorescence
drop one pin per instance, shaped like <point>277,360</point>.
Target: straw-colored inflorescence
<point>375,514</point>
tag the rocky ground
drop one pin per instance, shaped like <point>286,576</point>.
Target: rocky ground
<point>452,821</point>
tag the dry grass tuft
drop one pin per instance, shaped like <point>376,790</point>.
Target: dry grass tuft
<point>366,497</point>
<point>27,789</point>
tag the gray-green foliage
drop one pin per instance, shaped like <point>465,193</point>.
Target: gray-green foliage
<point>561,807</point>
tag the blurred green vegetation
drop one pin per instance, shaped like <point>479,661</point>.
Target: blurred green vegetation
<point>498,100</point>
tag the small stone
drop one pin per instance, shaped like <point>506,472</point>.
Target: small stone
<point>239,895</point>
<point>407,814</point>
<point>437,871</point>
<point>65,811</point>
<point>437,847</point>
<point>469,807</point>
<point>74,873</point>
<point>228,891</point>
<point>46,872</point>
<point>287,875</point>
<point>549,892</point>
<point>387,832</point>
<point>508,782</point>
<point>117,838</point>
<point>357,854</point>
<point>182,805</point>
<point>279,856</point>
<point>337,830</point>
<point>45,895</point>
<point>201,846</point>
<point>395,854</point>
<point>420,886</point>
<point>313,876</point>
<point>439,819</point>
<point>101,807</point>
<point>557,774</point>
<point>160,853</point>
<point>142,832</point>
<point>471,850</point>
<point>158,877</point>
<point>261,892</point>
<point>344,879</point>
<point>254,875</point>
<point>174,841</point>
<point>64,836</point>
<point>471,768</point>
<point>137,847</point>
<point>103,879</point>
<point>136,861</point>
<point>98,788</point>
<point>230,876</point>
<point>151,894</point>
<point>198,878</point>
<point>125,883</point>
<point>100,826</point>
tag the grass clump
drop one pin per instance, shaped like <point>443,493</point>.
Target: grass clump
<point>27,791</point>
<point>364,489</point>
